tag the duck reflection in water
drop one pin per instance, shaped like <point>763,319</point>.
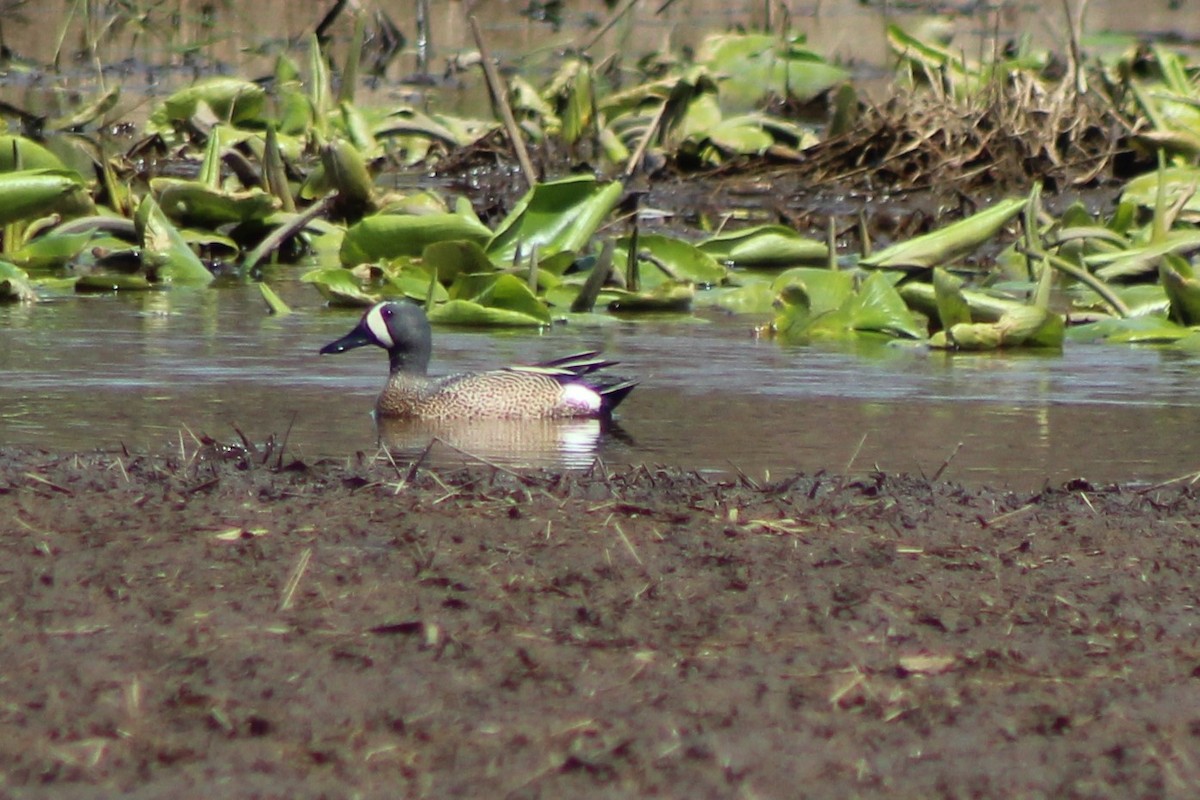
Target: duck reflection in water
<point>513,443</point>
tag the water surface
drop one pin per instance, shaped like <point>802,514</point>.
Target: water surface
<point>149,370</point>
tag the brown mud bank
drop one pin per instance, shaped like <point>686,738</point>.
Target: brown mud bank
<point>207,625</point>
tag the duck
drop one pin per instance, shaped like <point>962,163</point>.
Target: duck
<point>563,388</point>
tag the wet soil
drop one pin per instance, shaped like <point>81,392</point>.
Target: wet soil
<point>202,624</point>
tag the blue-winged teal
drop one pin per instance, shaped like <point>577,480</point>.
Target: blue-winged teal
<point>557,389</point>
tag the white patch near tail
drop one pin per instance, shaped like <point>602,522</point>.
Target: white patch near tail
<point>581,399</point>
<point>378,327</point>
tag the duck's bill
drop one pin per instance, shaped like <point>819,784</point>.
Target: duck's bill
<point>353,339</point>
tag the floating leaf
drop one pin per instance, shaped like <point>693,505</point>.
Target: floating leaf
<point>384,236</point>
<point>451,259</point>
<point>1142,260</point>
<point>822,290</point>
<point>753,298</point>
<point>667,297</point>
<point>30,154</point>
<point>14,284</point>
<point>108,282</point>
<point>193,203</point>
<point>500,292</point>
<point>948,243</point>
<point>751,66</point>
<point>878,308</point>
<point>415,282</point>
<point>1177,181</point>
<point>1182,289</point>
<point>275,304</point>
<point>339,287</point>
<point>51,251</point>
<point>765,246</point>
<point>875,308</point>
<point>555,216</point>
<point>36,192</point>
<point>1026,326</point>
<point>164,250</point>
<point>469,313</point>
<point>1129,330</point>
<point>233,100</point>
<point>952,306</point>
<point>671,260</point>
<point>984,306</point>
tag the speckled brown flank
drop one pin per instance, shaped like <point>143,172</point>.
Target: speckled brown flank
<point>498,394</point>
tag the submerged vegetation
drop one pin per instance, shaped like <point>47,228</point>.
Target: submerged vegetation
<point>238,180</point>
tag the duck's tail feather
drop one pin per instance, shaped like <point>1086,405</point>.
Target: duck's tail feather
<point>581,367</point>
<point>612,394</point>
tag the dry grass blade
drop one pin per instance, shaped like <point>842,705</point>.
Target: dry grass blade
<point>294,578</point>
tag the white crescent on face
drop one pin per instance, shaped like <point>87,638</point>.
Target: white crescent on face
<point>378,327</point>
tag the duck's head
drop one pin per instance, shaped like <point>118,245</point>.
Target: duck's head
<point>401,328</point>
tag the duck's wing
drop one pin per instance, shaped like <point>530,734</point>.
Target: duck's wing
<point>581,368</point>
<point>577,365</point>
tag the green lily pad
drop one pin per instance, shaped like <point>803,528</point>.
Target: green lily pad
<point>683,260</point>
<point>821,290</point>
<point>949,243</point>
<point>100,282</point>
<point>415,282</point>
<point>752,66</point>
<point>876,308</point>
<point>1143,190</point>
<point>1129,330</point>
<point>384,236</point>
<point>339,287</point>
<point>51,251</point>
<point>451,259</point>
<point>765,246</point>
<point>193,203</point>
<point>14,284</point>
<point>30,193</point>
<point>667,297</point>
<point>165,252</point>
<point>555,216</point>
<point>753,298</point>
<point>1027,326</point>
<point>500,292</point>
<point>30,154</point>
<point>470,313</point>
<point>952,306</point>
<point>1182,289</point>
<point>232,99</point>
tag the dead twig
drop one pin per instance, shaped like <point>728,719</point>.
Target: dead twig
<point>946,463</point>
<point>499,92</point>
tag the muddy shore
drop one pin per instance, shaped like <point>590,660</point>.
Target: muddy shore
<point>202,623</point>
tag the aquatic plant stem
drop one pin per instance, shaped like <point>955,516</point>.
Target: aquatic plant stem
<point>586,299</point>
<point>639,152</point>
<point>499,92</point>
<point>1080,274</point>
<point>612,20</point>
<point>278,236</point>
